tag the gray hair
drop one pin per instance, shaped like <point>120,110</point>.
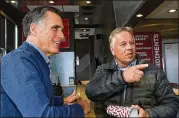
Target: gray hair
<point>36,15</point>
<point>118,30</point>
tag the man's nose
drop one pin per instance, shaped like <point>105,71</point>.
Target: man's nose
<point>60,34</point>
<point>129,46</point>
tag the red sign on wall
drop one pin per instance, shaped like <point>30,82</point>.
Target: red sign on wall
<point>148,46</point>
<point>66,43</point>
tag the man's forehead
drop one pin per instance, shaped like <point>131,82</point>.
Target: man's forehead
<point>50,14</point>
<point>120,38</point>
<point>55,19</point>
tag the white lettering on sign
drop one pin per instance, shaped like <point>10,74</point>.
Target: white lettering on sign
<point>156,50</point>
<point>147,59</point>
<point>147,48</point>
<point>141,37</point>
<point>139,43</point>
<point>143,48</point>
<point>143,54</point>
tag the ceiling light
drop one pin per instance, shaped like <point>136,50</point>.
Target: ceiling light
<point>86,18</point>
<point>84,34</point>
<point>88,2</point>
<point>172,10</point>
<point>13,1</point>
<point>139,15</point>
<point>84,30</point>
<point>51,2</point>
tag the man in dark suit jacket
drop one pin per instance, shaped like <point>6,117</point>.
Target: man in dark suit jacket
<point>26,90</point>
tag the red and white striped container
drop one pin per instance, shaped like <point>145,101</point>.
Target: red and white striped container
<point>121,111</point>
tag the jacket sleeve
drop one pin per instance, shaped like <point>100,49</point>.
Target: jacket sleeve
<point>58,100</point>
<point>21,81</point>
<point>168,102</point>
<point>104,84</point>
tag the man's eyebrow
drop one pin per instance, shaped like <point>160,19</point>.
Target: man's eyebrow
<point>122,42</point>
<point>57,26</point>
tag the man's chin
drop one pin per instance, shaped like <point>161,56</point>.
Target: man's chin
<point>129,60</point>
<point>56,52</point>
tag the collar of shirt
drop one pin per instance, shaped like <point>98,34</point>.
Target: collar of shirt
<point>47,59</point>
<point>133,63</point>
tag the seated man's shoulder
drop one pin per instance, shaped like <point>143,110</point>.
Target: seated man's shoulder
<point>105,66</point>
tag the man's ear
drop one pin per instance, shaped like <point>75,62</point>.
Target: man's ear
<point>112,50</point>
<point>33,29</point>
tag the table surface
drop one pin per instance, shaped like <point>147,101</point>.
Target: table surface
<point>80,89</point>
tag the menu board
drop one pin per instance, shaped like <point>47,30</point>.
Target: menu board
<point>148,46</point>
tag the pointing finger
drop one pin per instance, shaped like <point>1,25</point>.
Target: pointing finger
<point>141,66</point>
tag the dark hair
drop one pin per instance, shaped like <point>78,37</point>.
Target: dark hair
<point>36,15</point>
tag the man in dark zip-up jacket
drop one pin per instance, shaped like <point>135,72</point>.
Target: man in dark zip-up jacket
<point>128,81</point>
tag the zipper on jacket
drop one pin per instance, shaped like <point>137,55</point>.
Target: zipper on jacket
<point>124,94</point>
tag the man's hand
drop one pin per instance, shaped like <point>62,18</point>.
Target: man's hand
<point>142,112</point>
<point>71,98</point>
<point>85,104</point>
<point>134,73</point>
